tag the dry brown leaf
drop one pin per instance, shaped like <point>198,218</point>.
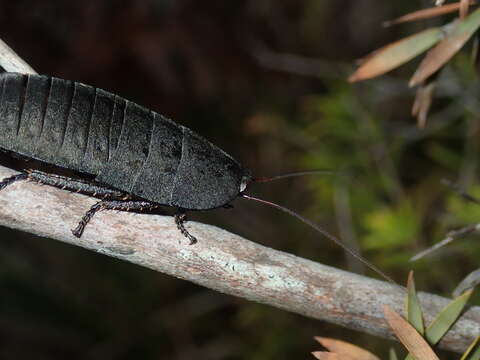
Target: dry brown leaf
<point>429,12</point>
<point>395,54</point>
<point>345,349</point>
<point>464,5</point>
<point>325,355</point>
<point>416,345</point>
<point>437,57</point>
<point>422,103</point>
<point>447,48</point>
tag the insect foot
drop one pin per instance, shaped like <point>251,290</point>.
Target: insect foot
<point>180,219</point>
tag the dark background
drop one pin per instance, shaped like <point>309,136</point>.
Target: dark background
<point>266,81</point>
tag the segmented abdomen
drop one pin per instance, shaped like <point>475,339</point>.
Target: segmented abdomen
<point>62,122</point>
<point>124,145</point>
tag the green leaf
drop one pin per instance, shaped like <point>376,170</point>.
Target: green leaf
<point>446,318</point>
<point>473,351</point>
<point>413,309</point>
<point>395,54</point>
<point>393,354</point>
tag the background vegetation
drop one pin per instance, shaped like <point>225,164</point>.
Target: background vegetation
<point>266,81</point>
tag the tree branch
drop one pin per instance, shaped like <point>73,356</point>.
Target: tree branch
<point>221,261</point>
<point>11,62</point>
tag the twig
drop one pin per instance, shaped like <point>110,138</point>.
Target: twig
<point>11,62</point>
<point>454,234</point>
<point>460,192</point>
<point>221,261</point>
<point>451,236</point>
<point>296,64</point>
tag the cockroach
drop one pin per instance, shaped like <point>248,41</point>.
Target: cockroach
<point>138,159</point>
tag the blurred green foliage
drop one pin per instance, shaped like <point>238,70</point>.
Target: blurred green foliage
<point>461,212</point>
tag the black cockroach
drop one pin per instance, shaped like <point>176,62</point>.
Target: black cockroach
<point>139,160</point>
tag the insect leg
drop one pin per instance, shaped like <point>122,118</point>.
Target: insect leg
<point>76,185</point>
<point>122,205</point>
<point>180,219</point>
<point>10,180</point>
<point>78,231</point>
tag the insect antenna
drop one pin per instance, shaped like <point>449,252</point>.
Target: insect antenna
<point>293,174</point>
<point>324,233</point>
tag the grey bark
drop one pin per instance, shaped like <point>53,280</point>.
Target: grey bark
<point>11,62</point>
<point>221,261</point>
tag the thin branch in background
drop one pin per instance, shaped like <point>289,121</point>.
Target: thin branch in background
<point>451,236</point>
<point>460,192</point>
<point>11,62</point>
<point>298,65</point>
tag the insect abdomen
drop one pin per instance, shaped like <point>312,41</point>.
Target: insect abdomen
<point>58,121</point>
<point>124,145</point>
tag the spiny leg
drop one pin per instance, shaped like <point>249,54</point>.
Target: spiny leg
<point>75,185</point>
<point>78,231</point>
<point>10,180</point>
<point>180,219</point>
<point>78,185</point>
<point>122,205</point>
